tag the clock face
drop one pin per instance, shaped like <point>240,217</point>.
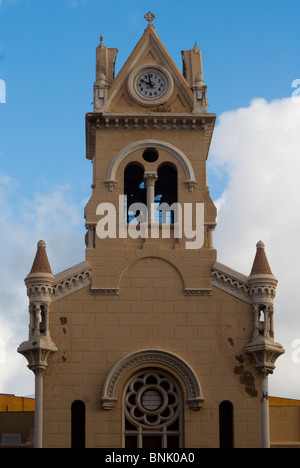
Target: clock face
<point>151,84</point>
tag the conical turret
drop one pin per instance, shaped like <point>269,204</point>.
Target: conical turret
<point>262,282</point>
<point>41,262</point>
<point>40,280</point>
<point>39,347</point>
<point>39,284</point>
<point>262,287</point>
<point>265,351</point>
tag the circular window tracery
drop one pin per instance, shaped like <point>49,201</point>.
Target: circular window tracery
<point>152,400</point>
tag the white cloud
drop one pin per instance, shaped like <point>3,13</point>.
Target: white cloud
<point>259,148</point>
<point>50,216</point>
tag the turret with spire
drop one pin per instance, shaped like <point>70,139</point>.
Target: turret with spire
<point>39,347</point>
<point>262,287</point>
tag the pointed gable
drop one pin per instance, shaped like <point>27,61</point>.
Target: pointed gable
<point>150,51</point>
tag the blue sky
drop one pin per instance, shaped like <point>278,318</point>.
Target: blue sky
<point>250,53</point>
<point>250,49</point>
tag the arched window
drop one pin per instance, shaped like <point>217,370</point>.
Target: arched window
<point>134,189</point>
<point>226,425</point>
<point>78,424</point>
<point>166,193</point>
<point>152,411</point>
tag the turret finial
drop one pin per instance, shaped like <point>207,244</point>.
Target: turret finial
<point>101,42</point>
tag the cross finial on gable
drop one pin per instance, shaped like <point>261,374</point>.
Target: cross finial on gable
<point>149,17</point>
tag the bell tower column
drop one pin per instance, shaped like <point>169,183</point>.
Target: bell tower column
<point>150,178</point>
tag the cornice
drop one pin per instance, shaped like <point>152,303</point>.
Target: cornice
<point>71,280</point>
<point>231,281</point>
<point>223,277</point>
<point>157,120</point>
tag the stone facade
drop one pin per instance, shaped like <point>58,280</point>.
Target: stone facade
<point>150,336</point>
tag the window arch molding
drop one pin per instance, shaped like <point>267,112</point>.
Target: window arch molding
<point>152,357</point>
<point>111,181</point>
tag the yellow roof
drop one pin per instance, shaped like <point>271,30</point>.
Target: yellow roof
<point>277,401</point>
<point>12,403</point>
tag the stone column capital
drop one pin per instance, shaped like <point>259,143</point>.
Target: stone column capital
<point>150,178</point>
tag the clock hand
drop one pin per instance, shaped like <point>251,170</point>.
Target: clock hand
<point>150,82</point>
<point>147,83</point>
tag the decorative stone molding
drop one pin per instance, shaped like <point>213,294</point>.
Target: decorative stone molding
<point>231,281</point>
<point>160,118</point>
<point>104,292</point>
<point>148,358</point>
<point>197,292</point>
<point>190,185</point>
<point>262,288</point>
<point>71,280</point>
<point>40,291</point>
<point>37,354</point>
<point>150,178</point>
<point>110,184</point>
<point>143,144</point>
<point>265,353</point>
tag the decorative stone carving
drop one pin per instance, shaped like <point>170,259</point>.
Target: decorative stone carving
<point>197,292</point>
<point>231,282</point>
<point>104,292</point>
<point>37,354</point>
<point>150,357</point>
<point>75,279</point>
<point>149,17</point>
<point>265,353</point>
<point>190,185</point>
<point>150,143</point>
<point>110,184</point>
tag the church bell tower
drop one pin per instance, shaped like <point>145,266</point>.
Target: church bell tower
<point>150,342</point>
<point>148,139</point>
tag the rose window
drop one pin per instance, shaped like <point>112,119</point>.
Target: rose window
<point>152,405</point>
